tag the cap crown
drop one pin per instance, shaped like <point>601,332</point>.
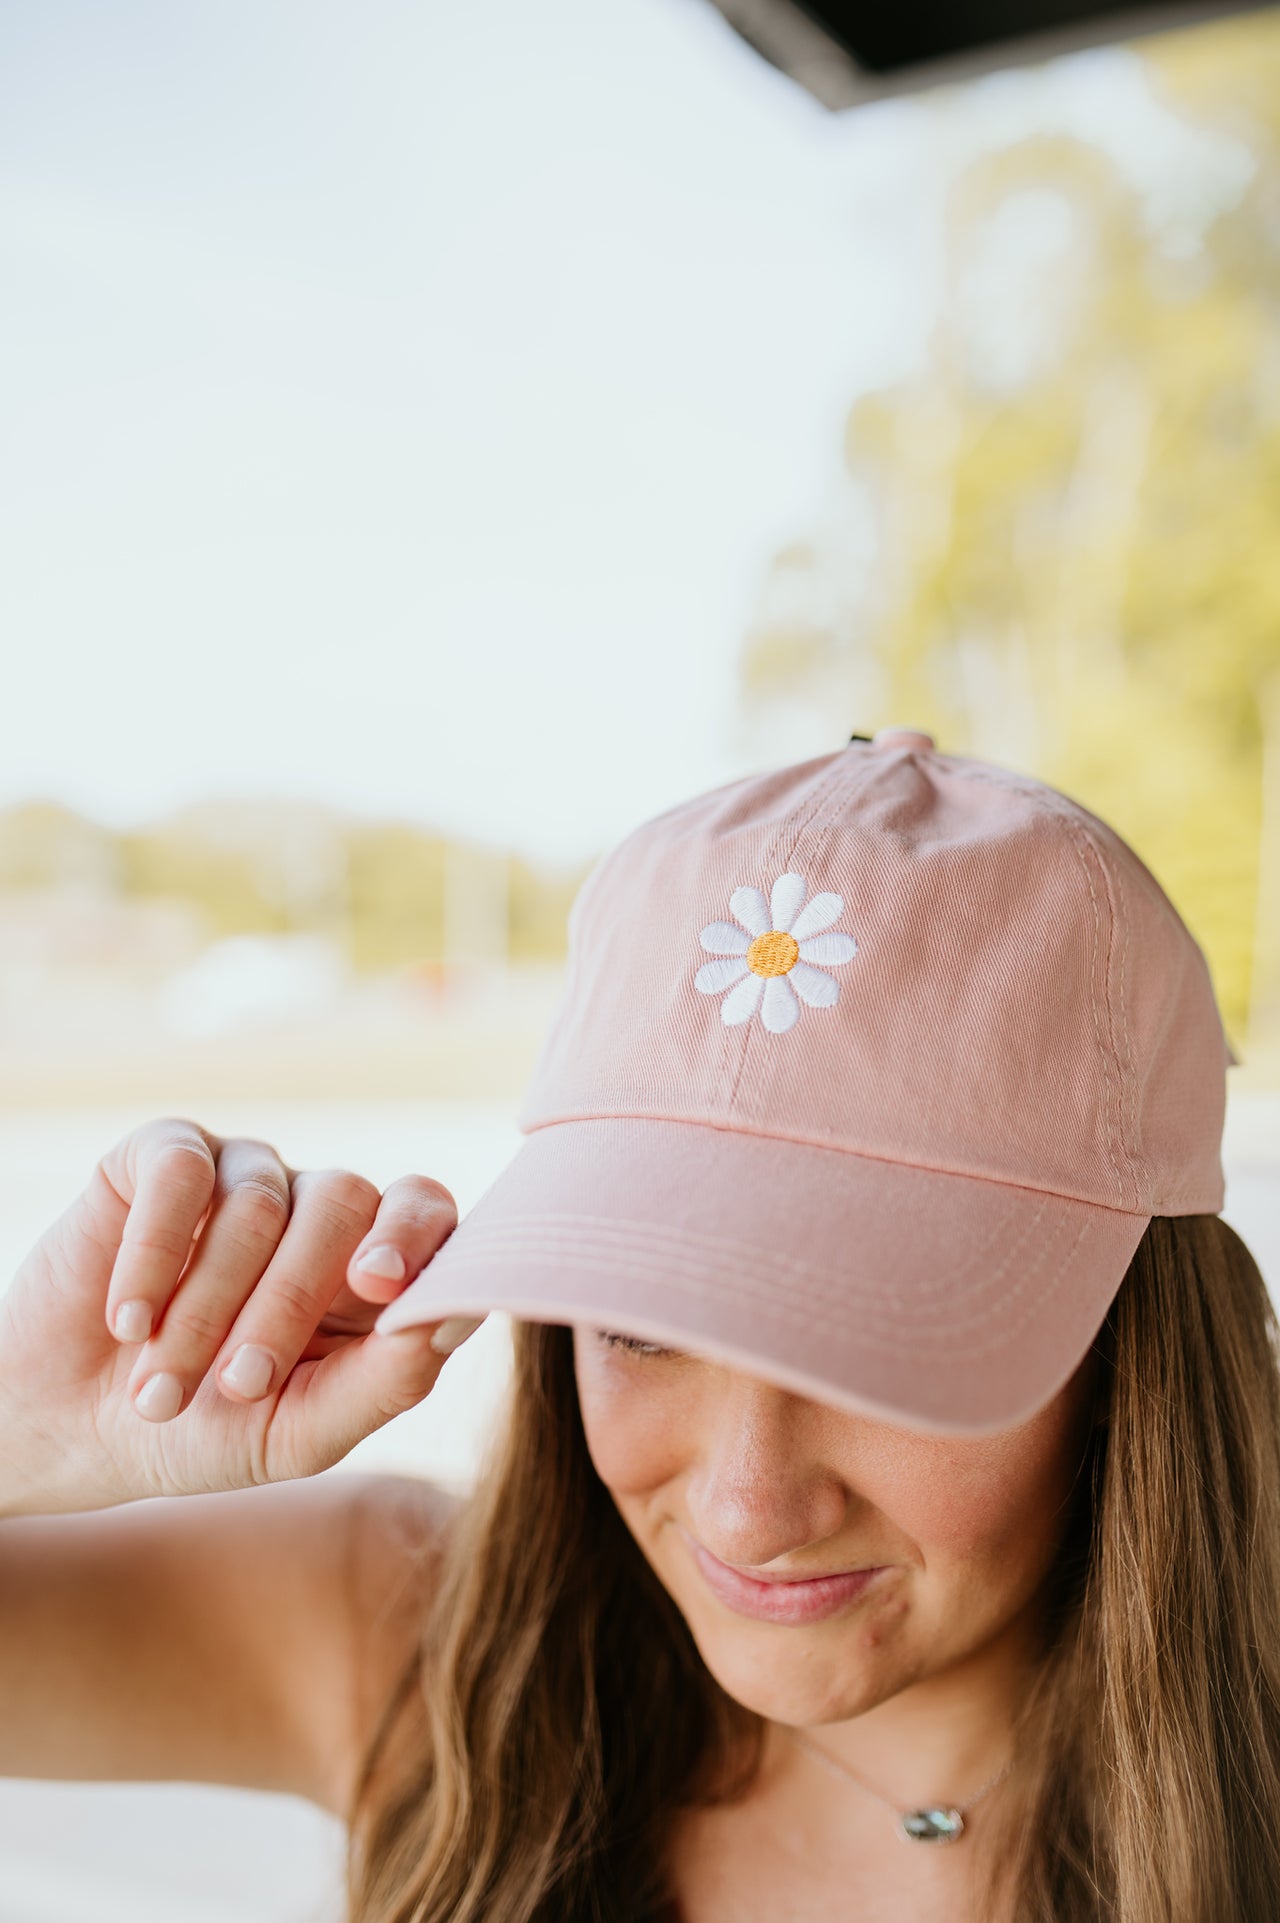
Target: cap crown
<point>1016,997</point>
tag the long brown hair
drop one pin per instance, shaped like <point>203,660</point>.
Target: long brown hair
<point>557,1713</point>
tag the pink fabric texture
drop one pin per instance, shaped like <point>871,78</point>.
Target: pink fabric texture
<point>867,1076</point>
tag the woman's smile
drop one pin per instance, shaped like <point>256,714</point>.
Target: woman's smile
<point>781,1599</point>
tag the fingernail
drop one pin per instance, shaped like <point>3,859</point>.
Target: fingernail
<point>453,1333</point>
<point>249,1371</point>
<point>384,1261</point>
<point>159,1398</point>
<point>133,1322</point>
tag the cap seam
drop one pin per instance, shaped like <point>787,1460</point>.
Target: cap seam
<point>1038,797</point>
<point>1130,1134</point>
<point>819,804</point>
<point>743,1127</point>
<point>1080,832</point>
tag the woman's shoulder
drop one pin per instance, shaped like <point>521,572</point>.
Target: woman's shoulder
<point>397,1527</point>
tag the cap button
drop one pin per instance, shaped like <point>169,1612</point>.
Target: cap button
<point>901,738</point>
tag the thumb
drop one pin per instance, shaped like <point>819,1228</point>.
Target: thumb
<point>358,1388</point>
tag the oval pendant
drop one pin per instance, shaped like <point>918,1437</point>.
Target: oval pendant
<point>931,1825</point>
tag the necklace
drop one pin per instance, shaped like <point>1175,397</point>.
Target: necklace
<point>936,1823</point>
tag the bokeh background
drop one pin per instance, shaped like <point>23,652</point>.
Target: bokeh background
<point>436,439</point>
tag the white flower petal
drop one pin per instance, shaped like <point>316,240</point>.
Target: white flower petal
<point>819,990</point>
<point>740,1004</point>
<point>784,903</point>
<point>723,938</point>
<point>749,907</point>
<point>819,914</point>
<point>781,1010</point>
<point>715,976</point>
<point>835,947</point>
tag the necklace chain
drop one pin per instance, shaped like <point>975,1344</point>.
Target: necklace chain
<point>958,1810</point>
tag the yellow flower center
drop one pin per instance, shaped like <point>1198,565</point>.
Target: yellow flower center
<point>773,954</point>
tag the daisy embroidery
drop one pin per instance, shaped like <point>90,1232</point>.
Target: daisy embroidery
<point>770,952</point>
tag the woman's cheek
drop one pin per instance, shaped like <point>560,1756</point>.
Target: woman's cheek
<point>992,1505</point>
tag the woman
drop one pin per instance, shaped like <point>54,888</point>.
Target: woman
<point>885,1520</point>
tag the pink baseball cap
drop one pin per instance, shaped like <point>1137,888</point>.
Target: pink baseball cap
<point>867,1076</point>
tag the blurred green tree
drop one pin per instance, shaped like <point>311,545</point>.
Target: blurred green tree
<point>390,894</point>
<point>1058,546</point>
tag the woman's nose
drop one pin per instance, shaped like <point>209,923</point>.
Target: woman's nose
<point>759,1490</point>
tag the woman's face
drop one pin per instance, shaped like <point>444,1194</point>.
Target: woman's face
<point>964,1530</point>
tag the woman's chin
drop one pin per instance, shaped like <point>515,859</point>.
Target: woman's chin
<point>796,1691</point>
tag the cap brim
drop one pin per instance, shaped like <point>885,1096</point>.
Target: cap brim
<point>947,1303</point>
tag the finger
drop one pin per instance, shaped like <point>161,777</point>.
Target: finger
<point>152,1190</point>
<point>332,1211</point>
<point>248,1215</point>
<point>416,1214</point>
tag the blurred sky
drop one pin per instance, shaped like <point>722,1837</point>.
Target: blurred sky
<point>402,402</point>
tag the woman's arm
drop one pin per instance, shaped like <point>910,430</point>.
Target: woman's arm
<point>244,1637</point>
<point>183,1583</point>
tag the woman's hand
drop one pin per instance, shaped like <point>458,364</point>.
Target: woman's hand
<point>260,1364</point>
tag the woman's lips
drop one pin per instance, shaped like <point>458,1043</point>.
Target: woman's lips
<point>779,1600</point>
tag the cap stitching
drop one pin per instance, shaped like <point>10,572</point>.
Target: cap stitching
<point>1136,1155</point>
<point>1040,801</point>
<point>1081,833</point>
<point>751,1293</point>
<point>745,1289</point>
<point>1093,997</point>
<point>712,1288</point>
<point>675,1247</point>
<point>755,1274</point>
